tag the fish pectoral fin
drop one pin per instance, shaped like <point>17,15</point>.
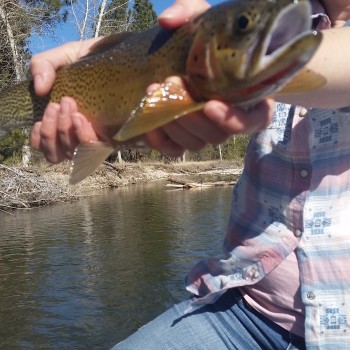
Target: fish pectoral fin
<point>305,80</point>
<point>165,104</point>
<point>87,158</point>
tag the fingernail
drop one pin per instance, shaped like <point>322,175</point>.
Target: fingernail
<point>65,108</point>
<point>38,81</point>
<point>51,111</point>
<point>172,12</point>
<point>217,111</point>
<point>76,121</point>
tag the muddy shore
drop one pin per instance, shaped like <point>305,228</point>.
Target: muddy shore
<point>25,188</point>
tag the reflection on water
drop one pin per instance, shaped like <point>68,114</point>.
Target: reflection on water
<point>86,275</point>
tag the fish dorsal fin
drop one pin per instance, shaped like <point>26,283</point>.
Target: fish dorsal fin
<point>109,42</point>
<point>87,158</point>
<point>305,80</point>
<point>165,104</point>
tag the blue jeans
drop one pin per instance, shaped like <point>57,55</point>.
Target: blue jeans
<point>230,323</point>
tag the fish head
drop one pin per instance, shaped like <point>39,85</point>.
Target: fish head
<point>245,50</point>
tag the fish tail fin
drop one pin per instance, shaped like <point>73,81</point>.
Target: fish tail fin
<point>20,107</point>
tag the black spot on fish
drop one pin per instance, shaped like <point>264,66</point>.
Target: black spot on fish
<point>160,40</point>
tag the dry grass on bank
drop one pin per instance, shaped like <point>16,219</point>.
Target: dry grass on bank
<point>32,187</point>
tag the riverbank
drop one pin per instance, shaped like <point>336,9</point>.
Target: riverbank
<point>25,188</point>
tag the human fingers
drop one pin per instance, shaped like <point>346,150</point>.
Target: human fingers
<point>181,11</point>
<point>44,135</point>
<point>35,136</point>
<point>214,125</point>
<point>83,129</point>
<point>194,130</point>
<point>183,137</point>
<point>61,130</point>
<point>67,139</point>
<point>44,65</point>
<point>233,120</point>
<point>152,87</point>
<point>159,140</point>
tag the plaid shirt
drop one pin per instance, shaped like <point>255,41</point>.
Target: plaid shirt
<point>294,195</point>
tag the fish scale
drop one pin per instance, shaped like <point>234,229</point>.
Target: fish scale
<point>222,54</point>
<point>107,86</point>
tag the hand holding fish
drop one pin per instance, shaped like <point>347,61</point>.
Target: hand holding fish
<point>234,54</point>
<point>212,125</point>
<point>63,128</point>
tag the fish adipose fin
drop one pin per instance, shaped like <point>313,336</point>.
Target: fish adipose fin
<point>165,104</point>
<point>305,80</point>
<point>87,158</point>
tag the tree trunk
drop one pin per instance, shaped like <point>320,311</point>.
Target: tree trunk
<point>26,150</point>
<point>220,152</point>
<point>100,16</point>
<point>26,155</point>
<point>81,24</point>
<point>15,56</point>
<point>120,159</point>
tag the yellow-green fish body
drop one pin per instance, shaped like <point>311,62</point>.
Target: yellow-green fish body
<point>110,83</point>
<point>239,51</point>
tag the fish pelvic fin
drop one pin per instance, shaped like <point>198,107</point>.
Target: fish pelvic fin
<point>305,80</point>
<point>165,104</point>
<point>87,158</point>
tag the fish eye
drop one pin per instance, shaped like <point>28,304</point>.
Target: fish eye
<point>245,22</point>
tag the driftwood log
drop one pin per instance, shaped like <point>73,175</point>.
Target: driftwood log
<point>175,183</point>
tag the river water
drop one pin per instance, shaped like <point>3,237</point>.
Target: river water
<point>87,274</point>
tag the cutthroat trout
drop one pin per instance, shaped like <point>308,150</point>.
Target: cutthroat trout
<point>239,51</point>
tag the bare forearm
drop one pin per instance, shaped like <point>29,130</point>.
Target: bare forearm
<point>331,61</point>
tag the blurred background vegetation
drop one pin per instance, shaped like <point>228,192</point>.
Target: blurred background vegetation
<point>20,19</point>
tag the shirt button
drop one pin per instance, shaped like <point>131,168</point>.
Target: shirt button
<point>298,233</point>
<point>256,275</point>
<point>303,173</point>
<point>311,295</point>
<point>303,112</point>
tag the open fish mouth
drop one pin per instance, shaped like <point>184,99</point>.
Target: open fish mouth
<point>290,26</point>
<point>288,45</point>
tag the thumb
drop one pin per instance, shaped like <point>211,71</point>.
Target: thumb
<point>181,11</point>
<point>44,65</point>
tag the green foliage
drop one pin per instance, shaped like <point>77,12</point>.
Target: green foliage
<point>116,19</point>
<point>144,17</point>
<point>20,19</point>
<point>23,18</point>
<point>13,23</point>
<point>11,145</point>
<point>46,12</point>
<point>233,149</point>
